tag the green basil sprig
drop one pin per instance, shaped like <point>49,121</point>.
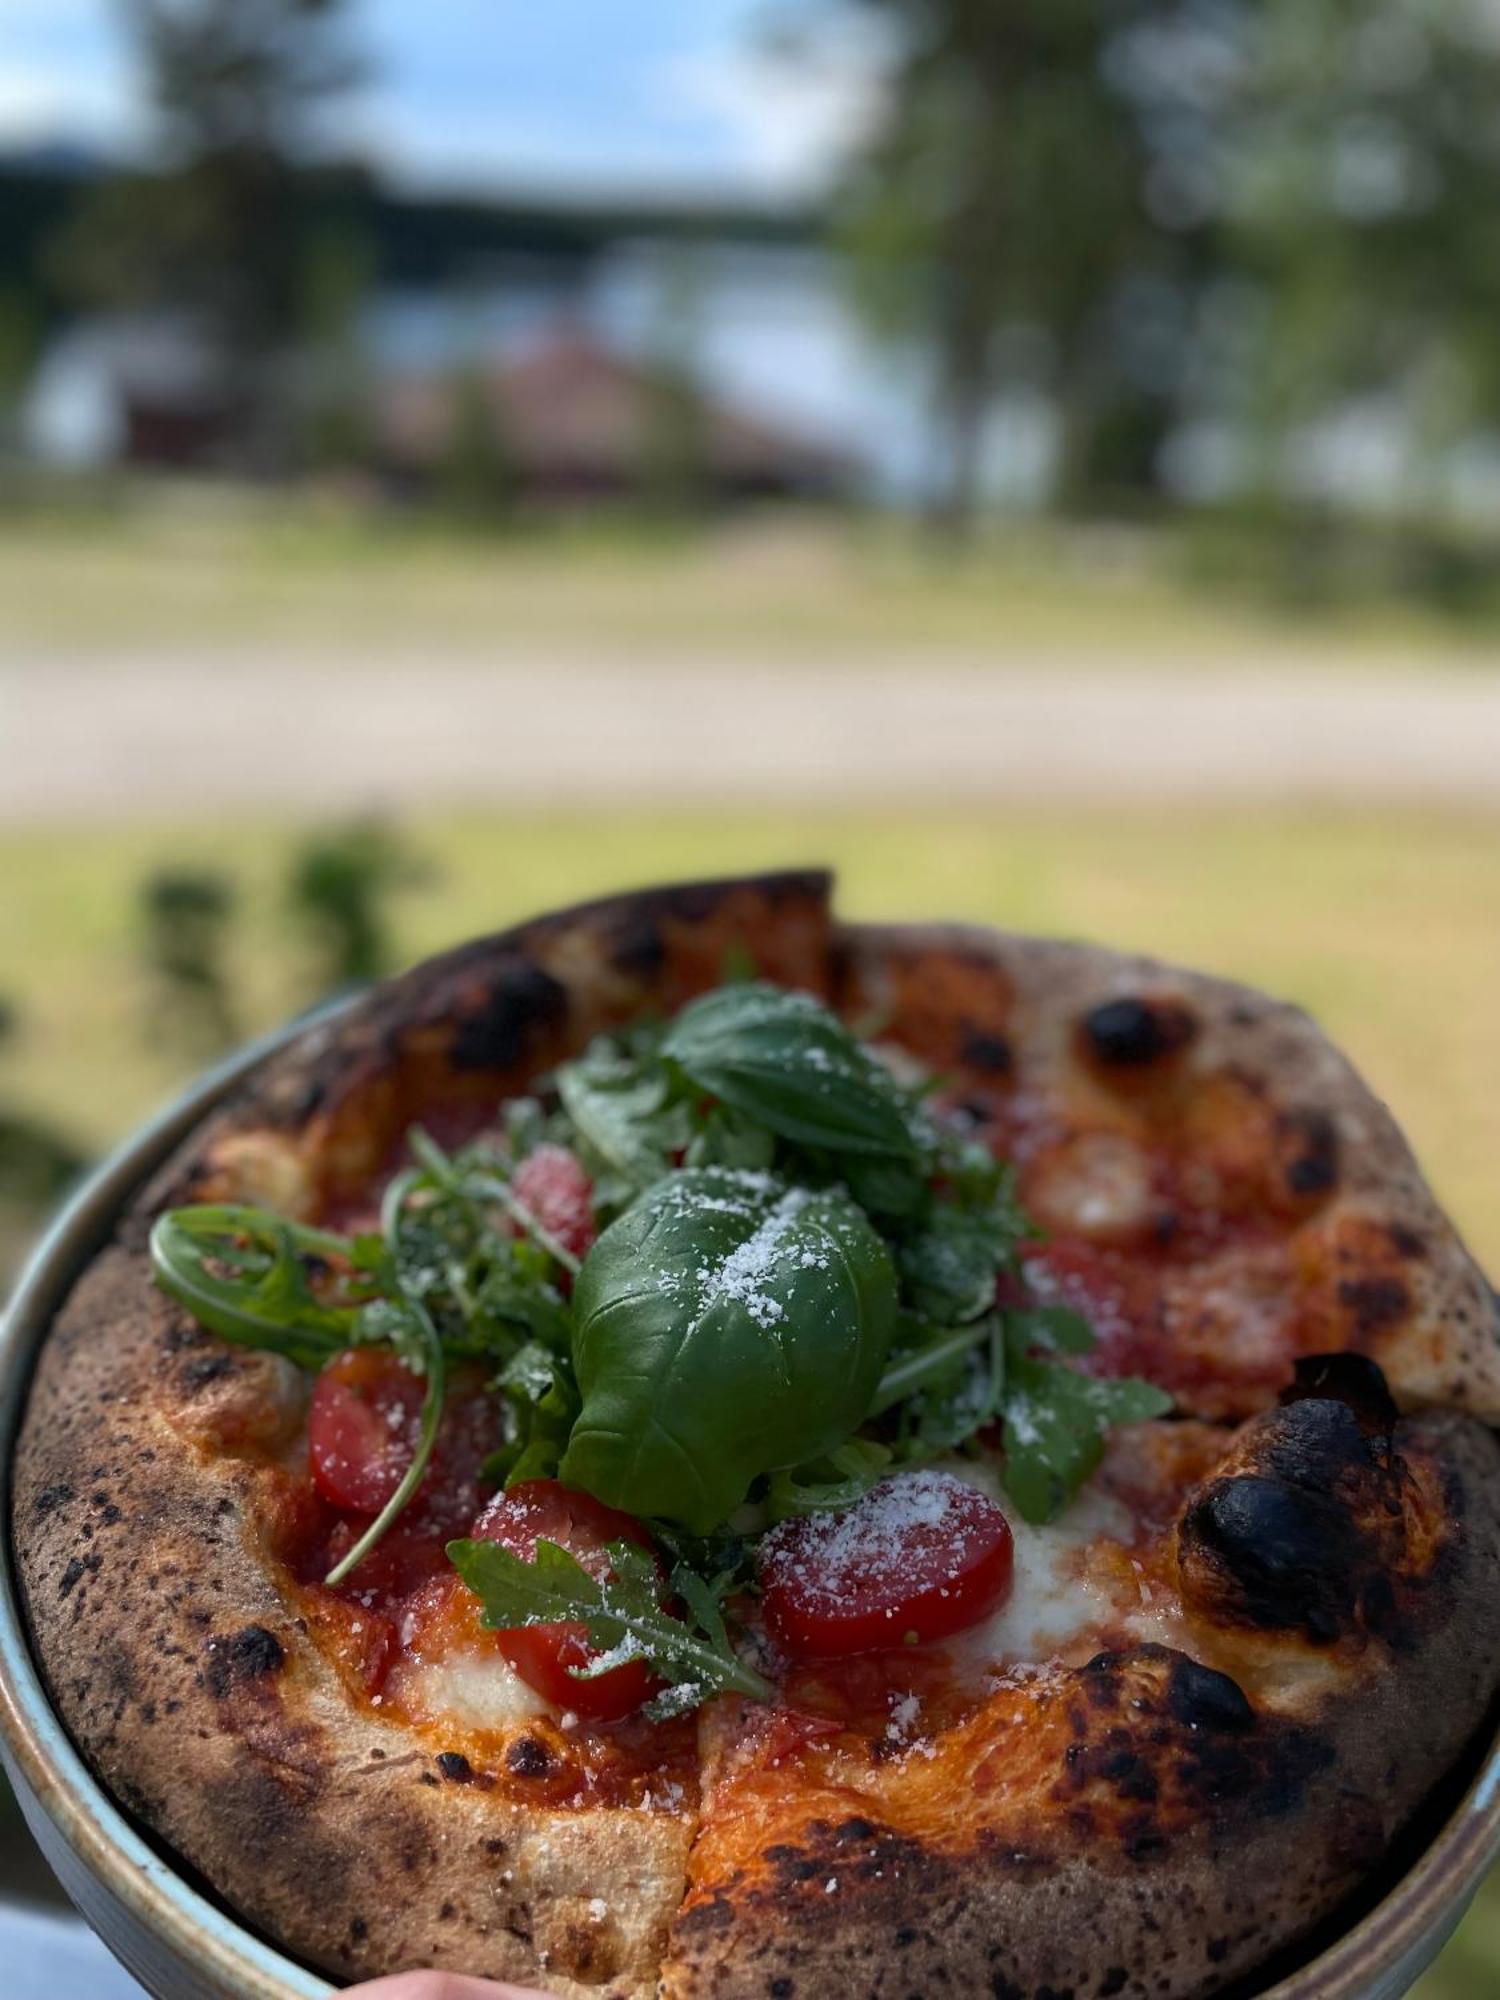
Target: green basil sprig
<point>727,1325</point>
<point>790,1065</point>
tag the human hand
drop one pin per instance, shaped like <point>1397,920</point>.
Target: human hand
<point>439,1986</point>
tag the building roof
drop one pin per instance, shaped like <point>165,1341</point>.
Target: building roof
<point>571,412</point>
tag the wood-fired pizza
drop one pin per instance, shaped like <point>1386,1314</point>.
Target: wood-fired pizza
<point>693,1448</point>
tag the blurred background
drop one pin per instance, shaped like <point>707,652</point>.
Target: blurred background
<point>1041,456</point>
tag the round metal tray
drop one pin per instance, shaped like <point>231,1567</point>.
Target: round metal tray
<point>182,1945</point>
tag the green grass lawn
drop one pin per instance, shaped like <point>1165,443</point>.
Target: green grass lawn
<point>1386,924</point>
<point>184,567</point>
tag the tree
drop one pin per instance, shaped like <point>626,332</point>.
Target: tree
<point>1001,190</point>
<point>219,227</point>
<point>339,884</point>
<point>37,1165</point>
<point>186,918</point>
<point>477,477</point>
<point>1363,149</point>
<point>674,442</point>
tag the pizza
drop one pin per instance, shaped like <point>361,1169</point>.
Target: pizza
<point>695,1448</point>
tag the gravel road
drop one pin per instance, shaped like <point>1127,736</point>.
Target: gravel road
<point>113,739</point>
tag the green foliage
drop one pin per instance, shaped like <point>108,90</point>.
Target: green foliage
<point>1363,168</point>
<point>337,279</point>
<point>477,478</point>
<point>726,1326</point>
<point>623,1613</point>
<point>218,227</point>
<point>339,885</point>
<point>1056,1421</point>
<point>789,1065</point>
<point>186,916</point>
<point>1000,193</point>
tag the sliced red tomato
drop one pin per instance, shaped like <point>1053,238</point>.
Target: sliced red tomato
<point>362,1428</point>
<point>362,1432</point>
<point>921,1556</point>
<point>551,1182</point>
<point>544,1510</point>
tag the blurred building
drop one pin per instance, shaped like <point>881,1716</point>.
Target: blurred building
<point>573,418</point>
<point>143,390</point>
<point>801,396</point>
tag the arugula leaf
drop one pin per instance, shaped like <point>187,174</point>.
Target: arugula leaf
<point>543,1405</point>
<point>423,1340</point>
<point>783,1060</point>
<point>1055,1425</point>
<point>1058,1328</point>
<point>470,1185</point>
<point>244,1273</point>
<point>726,1325</point>
<point>517,1296</point>
<point>949,1268</point>
<point>845,1475</point>
<point>623,1614</point>
<point>623,1114</point>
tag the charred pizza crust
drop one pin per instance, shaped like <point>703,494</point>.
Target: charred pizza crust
<point>1337,1571</point>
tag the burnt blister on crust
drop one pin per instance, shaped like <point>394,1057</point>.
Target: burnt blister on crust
<point>1316,1527</point>
<point>1308,1148</point>
<point>498,1027</point>
<point>989,1052</point>
<point>1164,1741</point>
<point>1134,1032</point>
<point>239,1659</point>
<point>1351,1379</point>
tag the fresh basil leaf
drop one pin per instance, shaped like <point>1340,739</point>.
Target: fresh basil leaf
<point>725,1138</point>
<point>785,1061</point>
<point>891,1190</point>
<point>725,1326</point>
<point>1055,1425</point>
<point>623,1614</point>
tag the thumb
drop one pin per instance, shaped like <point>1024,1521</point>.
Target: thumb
<point>439,1986</point>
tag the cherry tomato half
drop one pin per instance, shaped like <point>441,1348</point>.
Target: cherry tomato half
<point>362,1431</point>
<point>553,1185</point>
<point>921,1556</point>
<point>544,1510</point>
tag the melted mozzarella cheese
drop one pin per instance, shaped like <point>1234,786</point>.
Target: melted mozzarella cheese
<point>471,1689</point>
<point>1059,1607</point>
<point>1095,1184</point>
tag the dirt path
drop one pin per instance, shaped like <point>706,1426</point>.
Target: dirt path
<point>116,739</point>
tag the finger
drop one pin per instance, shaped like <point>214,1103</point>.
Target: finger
<point>439,1986</point>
